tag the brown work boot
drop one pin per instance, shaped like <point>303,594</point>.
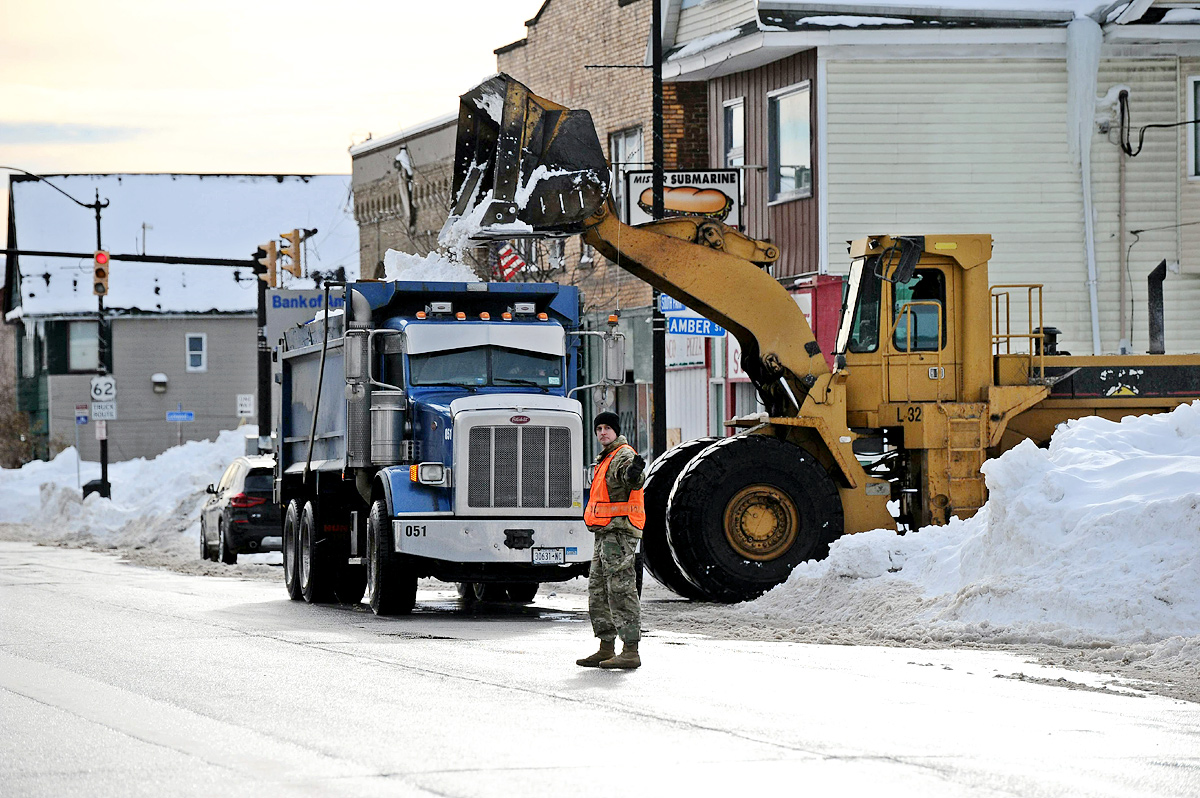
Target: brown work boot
<point>627,660</point>
<point>607,649</point>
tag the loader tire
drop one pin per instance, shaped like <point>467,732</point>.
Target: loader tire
<point>746,511</point>
<point>316,566</point>
<point>656,551</point>
<point>291,550</point>
<point>391,580</point>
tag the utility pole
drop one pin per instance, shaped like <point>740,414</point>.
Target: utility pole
<point>658,325</point>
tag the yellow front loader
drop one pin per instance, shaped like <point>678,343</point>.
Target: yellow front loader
<point>936,370</point>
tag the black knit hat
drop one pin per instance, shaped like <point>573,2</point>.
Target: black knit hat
<point>609,418</point>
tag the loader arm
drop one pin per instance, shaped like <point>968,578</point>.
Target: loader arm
<point>525,166</point>
<point>718,272</point>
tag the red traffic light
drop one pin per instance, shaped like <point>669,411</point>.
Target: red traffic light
<point>101,258</point>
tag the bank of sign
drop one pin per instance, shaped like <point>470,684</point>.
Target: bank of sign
<point>713,193</point>
<point>690,325</point>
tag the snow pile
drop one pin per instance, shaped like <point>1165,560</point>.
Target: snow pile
<point>851,21</point>
<point>434,267</point>
<point>1093,542</point>
<point>155,503</point>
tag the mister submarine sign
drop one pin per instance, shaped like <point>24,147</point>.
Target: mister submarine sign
<point>711,192</point>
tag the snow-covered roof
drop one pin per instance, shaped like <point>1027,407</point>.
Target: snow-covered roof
<point>188,215</point>
<point>800,17</point>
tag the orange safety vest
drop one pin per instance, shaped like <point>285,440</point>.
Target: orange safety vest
<point>600,510</point>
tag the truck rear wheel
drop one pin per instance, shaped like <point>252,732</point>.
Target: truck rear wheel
<point>746,511</point>
<point>657,490</point>
<point>391,581</point>
<point>291,550</point>
<point>315,566</point>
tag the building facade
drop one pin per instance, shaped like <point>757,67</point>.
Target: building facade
<point>856,120</point>
<point>181,340</point>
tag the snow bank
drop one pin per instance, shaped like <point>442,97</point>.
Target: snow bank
<point>155,503</point>
<point>436,266</point>
<point>1092,542</point>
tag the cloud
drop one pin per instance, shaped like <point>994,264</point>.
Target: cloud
<point>64,133</point>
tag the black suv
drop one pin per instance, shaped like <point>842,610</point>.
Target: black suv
<point>240,515</point>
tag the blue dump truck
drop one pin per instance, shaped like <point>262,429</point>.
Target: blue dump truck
<point>427,430</point>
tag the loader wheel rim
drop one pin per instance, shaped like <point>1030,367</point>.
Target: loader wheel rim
<point>761,522</point>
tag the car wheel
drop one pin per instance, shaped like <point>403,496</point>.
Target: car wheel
<point>291,538</point>
<point>224,553</point>
<point>203,540</point>
<point>391,580</point>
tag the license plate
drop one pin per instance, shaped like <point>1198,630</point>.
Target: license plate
<point>549,556</point>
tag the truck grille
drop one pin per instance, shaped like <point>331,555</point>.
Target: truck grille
<point>526,466</point>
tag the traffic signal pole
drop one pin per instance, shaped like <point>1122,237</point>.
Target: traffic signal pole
<point>101,368</point>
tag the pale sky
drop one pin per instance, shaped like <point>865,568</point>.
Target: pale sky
<point>223,86</point>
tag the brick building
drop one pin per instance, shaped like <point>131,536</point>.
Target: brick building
<point>591,54</point>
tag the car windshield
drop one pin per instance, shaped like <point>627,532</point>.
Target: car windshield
<point>486,365</point>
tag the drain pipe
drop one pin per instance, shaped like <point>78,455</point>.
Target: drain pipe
<point>1084,38</point>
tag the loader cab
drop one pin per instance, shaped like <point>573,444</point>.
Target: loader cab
<point>897,338</point>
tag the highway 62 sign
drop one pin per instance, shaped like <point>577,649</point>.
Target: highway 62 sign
<point>104,389</point>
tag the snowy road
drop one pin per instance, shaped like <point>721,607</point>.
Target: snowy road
<point>120,680</point>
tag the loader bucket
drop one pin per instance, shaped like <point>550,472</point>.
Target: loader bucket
<point>524,166</point>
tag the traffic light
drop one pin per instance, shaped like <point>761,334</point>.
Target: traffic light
<point>266,255</point>
<point>100,273</point>
<point>291,250</point>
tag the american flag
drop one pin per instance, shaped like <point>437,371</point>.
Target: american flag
<point>508,262</point>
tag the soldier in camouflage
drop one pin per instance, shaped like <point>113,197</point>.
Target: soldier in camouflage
<point>615,515</point>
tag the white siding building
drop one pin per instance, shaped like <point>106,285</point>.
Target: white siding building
<point>960,119</point>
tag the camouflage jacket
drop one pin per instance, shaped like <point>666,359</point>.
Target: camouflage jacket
<point>619,485</point>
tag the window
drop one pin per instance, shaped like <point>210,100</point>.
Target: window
<point>1193,139</point>
<point>625,153</point>
<point>83,351</point>
<point>918,321</point>
<point>197,351</point>
<point>790,143</point>
<point>491,365</point>
<point>28,356</point>
<point>860,331</point>
<point>587,256</point>
<point>735,132</point>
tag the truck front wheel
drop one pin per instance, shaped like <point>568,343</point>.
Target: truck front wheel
<point>747,511</point>
<point>391,582</point>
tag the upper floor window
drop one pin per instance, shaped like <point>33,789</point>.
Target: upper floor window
<point>735,132</point>
<point>197,351</point>
<point>790,142</point>
<point>625,153</point>
<point>1193,103</point>
<point>83,350</point>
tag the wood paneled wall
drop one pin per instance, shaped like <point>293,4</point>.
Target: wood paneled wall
<point>793,225</point>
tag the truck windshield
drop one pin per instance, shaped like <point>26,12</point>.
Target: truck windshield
<point>486,365</point>
<point>860,310</point>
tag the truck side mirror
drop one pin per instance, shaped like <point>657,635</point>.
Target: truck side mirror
<point>210,488</point>
<point>901,258</point>
<point>614,358</point>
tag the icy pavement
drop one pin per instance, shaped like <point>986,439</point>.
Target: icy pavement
<point>1087,554</point>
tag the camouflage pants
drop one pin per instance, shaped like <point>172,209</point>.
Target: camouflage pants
<point>613,602</point>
